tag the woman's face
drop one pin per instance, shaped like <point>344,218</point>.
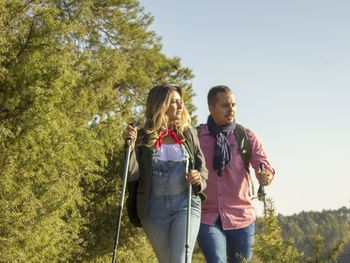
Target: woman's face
<point>174,111</point>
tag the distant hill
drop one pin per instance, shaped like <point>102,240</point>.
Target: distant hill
<point>332,225</point>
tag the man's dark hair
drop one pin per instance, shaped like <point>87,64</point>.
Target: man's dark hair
<point>214,91</point>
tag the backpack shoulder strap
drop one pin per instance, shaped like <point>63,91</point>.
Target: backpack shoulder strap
<point>243,144</point>
<point>199,128</point>
<point>245,150</point>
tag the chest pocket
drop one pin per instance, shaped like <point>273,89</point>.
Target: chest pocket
<point>236,163</point>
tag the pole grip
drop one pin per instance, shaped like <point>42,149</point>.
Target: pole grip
<point>261,190</point>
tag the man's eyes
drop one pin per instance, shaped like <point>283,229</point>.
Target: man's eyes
<point>229,105</point>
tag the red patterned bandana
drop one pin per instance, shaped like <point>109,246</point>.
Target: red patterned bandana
<point>164,133</point>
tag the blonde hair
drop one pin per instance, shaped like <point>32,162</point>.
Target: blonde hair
<point>158,102</point>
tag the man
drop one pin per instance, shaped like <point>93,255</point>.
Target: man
<point>228,215</point>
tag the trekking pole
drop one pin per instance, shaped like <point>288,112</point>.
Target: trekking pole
<point>262,193</point>
<point>125,177</point>
<point>188,223</point>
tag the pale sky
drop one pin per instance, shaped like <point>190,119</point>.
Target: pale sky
<point>288,63</point>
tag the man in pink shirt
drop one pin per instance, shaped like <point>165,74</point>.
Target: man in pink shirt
<point>228,215</point>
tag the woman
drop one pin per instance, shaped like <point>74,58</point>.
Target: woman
<point>160,163</point>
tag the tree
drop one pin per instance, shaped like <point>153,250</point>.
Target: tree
<point>270,247</point>
<point>317,234</point>
<point>320,253</point>
<point>71,74</point>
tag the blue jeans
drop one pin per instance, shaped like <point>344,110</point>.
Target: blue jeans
<point>218,244</point>
<point>165,227</point>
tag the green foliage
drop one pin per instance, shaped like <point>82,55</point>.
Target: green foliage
<point>320,235</point>
<point>63,63</point>
<point>319,255</point>
<point>275,242</point>
<point>270,247</point>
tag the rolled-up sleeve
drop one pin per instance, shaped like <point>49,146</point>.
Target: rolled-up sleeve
<point>258,153</point>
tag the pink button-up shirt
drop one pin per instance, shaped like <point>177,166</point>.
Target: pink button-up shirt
<point>229,195</point>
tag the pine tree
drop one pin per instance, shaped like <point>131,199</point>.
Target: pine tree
<point>270,247</point>
<point>72,74</point>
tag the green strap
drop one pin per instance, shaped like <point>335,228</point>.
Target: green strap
<point>245,150</point>
<point>244,145</point>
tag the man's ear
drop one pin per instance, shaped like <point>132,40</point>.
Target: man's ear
<point>210,107</point>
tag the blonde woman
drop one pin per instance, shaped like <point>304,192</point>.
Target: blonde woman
<point>164,149</point>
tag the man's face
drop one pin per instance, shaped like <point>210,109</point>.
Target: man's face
<point>223,110</point>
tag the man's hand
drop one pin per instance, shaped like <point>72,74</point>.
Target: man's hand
<point>264,176</point>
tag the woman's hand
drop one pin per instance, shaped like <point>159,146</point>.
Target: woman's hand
<point>131,134</point>
<point>193,177</point>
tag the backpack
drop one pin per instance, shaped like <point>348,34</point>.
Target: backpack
<point>244,145</point>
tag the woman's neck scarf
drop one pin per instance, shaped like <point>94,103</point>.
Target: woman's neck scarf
<point>222,148</point>
<point>165,132</point>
